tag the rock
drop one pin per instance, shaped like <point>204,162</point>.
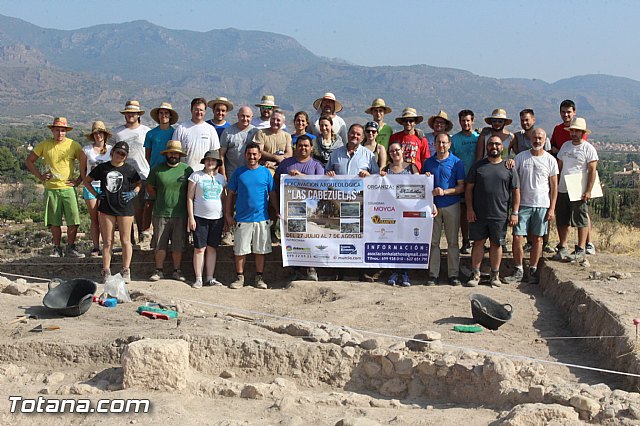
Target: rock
<point>44,391</point>
<point>404,366</point>
<point>372,369</point>
<point>297,329</point>
<point>84,389</point>
<point>226,374</point>
<point>497,369</point>
<point>536,393</point>
<point>318,335</point>
<point>420,339</point>
<point>251,392</point>
<point>393,387</point>
<point>285,404</point>
<point>157,364</point>
<point>16,289</point>
<point>349,351</point>
<point>634,411</point>
<point>586,404</point>
<point>356,421</point>
<point>397,346</point>
<point>609,413</point>
<point>54,378</point>
<point>415,388</point>
<point>371,344</point>
<point>541,415</point>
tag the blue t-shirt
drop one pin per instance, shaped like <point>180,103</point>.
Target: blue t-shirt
<point>464,147</point>
<point>252,187</point>
<point>446,174</point>
<point>294,138</point>
<point>156,140</point>
<point>219,127</point>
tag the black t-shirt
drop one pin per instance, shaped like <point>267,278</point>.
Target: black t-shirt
<point>114,181</point>
<point>492,190</point>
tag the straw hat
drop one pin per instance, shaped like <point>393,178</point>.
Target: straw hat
<point>500,114</point>
<point>165,105</point>
<point>579,123</point>
<point>211,154</point>
<point>220,100</point>
<point>60,122</point>
<point>331,97</point>
<point>378,103</point>
<point>268,101</point>
<point>98,126</point>
<point>132,106</point>
<point>409,113</point>
<point>445,117</point>
<point>174,146</point>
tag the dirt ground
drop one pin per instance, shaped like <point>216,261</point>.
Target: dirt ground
<point>538,330</point>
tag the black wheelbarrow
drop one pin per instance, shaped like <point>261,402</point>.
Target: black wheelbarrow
<point>70,298</point>
<point>489,313</point>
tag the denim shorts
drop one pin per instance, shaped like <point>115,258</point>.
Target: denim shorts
<point>531,221</point>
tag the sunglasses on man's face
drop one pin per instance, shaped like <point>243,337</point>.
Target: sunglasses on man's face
<point>409,121</point>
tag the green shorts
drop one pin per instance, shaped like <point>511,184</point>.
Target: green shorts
<point>59,203</point>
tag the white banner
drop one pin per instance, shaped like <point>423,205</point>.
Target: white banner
<point>348,221</point>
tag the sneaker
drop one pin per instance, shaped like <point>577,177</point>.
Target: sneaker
<point>548,249</point>
<point>454,281</point>
<point>577,255</point>
<point>505,249</point>
<point>590,248</point>
<point>238,283</point>
<point>527,248</point>
<point>474,279</point>
<point>312,275</point>
<point>177,275</point>
<point>197,283</point>
<point>495,279</point>
<point>393,279</point>
<point>227,239</point>
<point>57,252</point>
<point>517,276</point>
<point>372,276</point>
<point>145,237</point>
<point>106,274</point>
<point>73,252</point>
<point>466,247</point>
<point>126,275</point>
<point>157,275</point>
<point>212,282</point>
<point>405,280</point>
<point>431,281</point>
<point>561,254</point>
<point>533,276</point>
<point>259,283</point>
<point>95,252</point>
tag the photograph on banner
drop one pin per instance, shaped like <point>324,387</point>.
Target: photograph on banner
<point>348,221</point>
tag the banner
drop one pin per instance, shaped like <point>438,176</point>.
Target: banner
<point>348,221</point>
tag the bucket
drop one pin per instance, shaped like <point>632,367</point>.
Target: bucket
<point>489,313</point>
<point>70,298</point>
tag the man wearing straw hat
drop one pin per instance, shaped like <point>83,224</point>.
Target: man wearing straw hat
<point>576,156</point>
<point>267,105</point>
<point>59,154</point>
<point>168,184</point>
<point>497,122</point>
<point>134,133</point>
<point>220,107</point>
<point>378,109</point>
<point>439,123</point>
<point>414,144</point>
<point>329,105</point>
<point>196,136</point>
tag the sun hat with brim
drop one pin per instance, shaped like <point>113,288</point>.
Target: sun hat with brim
<point>330,96</point>
<point>165,105</point>
<point>268,101</point>
<point>220,100</point>
<point>60,122</point>
<point>132,106</point>
<point>96,127</point>
<point>579,123</point>
<point>409,113</point>
<point>174,146</point>
<point>378,103</point>
<point>444,116</point>
<point>211,154</point>
<point>499,114</point>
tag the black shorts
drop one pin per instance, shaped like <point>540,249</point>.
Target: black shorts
<point>571,213</point>
<point>208,232</point>
<point>495,230</point>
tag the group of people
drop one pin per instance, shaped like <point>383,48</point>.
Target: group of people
<point>218,181</point>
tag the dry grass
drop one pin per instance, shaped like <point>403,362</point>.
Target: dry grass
<point>608,236</point>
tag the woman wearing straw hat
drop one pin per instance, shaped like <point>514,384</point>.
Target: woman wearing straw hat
<point>119,184</point>
<point>97,152</point>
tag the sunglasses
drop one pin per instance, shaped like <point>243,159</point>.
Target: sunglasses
<point>266,107</point>
<point>371,131</point>
<point>408,120</point>
<point>120,152</point>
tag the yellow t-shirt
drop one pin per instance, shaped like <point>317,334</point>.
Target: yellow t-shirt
<point>59,157</point>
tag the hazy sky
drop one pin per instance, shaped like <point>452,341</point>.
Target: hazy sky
<point>542,39</point>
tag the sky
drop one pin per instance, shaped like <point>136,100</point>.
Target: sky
<point>536,39</point>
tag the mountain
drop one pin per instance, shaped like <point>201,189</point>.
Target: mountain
<point>89,73</point>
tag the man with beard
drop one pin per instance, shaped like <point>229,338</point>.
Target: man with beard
<point>538,174</point>
<point>439,123</point>
<point>197,137</point>
<point>168,184</point>
<point>328,105</point>
<point>267,105</point>
<point>498,120</point>
<point>220,107</point>
<point>490,185</point>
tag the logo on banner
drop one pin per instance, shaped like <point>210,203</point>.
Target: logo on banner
<point>380,221</point>
<point>414,214</point>
<point>348,249</point>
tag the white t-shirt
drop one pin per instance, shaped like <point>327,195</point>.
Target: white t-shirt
<point>207,203</point>
<point>135,139</point>
<point>94,158</point>
<point>534,172</point>
<point>339,127</point>
<point>575,159</point>
<point>196,140</point>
